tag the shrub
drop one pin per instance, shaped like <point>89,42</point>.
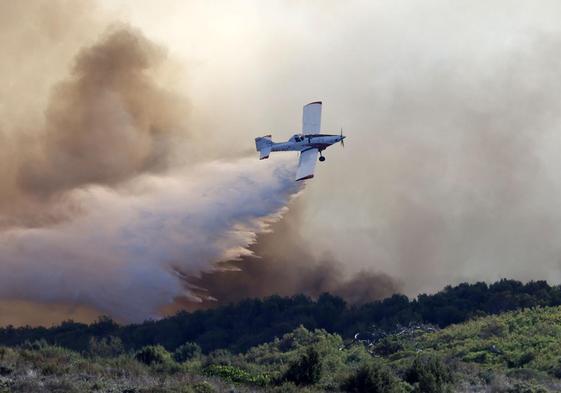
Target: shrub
<point>235,374</point>
<point>187,352</point>
<point>35,345</point>
<point>525,388</point>
<point>306,370</point>
<point>520,360</point>
<point>62,387</point>
<point>429,375</point>
<point>106,346</point>
<point>287,387</point>
<point>371,379</point>
<point>203,387</point>
<point>6,370</point>
<point>220,356</point>
<point>527,374</point>
<point>153,354</point>
<point>493,328</point>
<point>556,369</point>
<point>481,357</point>
<point>388,346</point>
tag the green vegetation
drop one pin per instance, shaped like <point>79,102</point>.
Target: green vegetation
<point>187,352</point>
<point>235,374</point>
<point>153,354</point>
<point>515,351</point>
<point>429,375</point>
<point>238,327</point>
<point>306,370</point>
<point>529,339</point>
<point>371,378</point>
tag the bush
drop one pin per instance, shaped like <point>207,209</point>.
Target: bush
<point>187,352</point>
<point>6,370</point>
<point>306,370</point>
<point>36,345</point>
<point>61,387</point>
<point>525,388</point>
<point>556,369</point>
<point>481,357</point>
<point>105,346</point>
<point>153,354</point>
<point>235,374</point>
<point>371,379</point>
<point>287,387</point>
<point>520,360</point>
<point>493,328</point>
<point>429,375</point>
<point>527,374</point>
<point>388,346</point>
<point>220,356</point>
<point>203,387</point>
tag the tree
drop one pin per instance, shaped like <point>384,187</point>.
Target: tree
<point>306,370</point>
<point>429,375</point>
<point>153,354</point>
<point>187,352</point>
<point>105,346</point>
<point>371,378</point>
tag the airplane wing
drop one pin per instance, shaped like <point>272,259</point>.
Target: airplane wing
<point>307,164</point>
<point>311,119</point>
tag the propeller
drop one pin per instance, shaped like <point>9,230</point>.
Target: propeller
<point>342,138</point>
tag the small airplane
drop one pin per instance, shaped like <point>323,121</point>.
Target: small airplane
<point>309,143</point>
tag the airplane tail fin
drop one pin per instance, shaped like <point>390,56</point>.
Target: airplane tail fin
<point>263,144</point>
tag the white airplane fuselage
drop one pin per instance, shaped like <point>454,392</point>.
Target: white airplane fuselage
<point>300,142</point>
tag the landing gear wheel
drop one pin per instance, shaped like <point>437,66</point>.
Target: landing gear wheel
<point>322,158</point>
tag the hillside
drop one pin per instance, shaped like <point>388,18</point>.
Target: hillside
<point>238,327</point>
<point>518,351</point>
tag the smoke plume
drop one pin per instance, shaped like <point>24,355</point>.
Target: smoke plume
<point>106,198</point>
<point>281,263</point>
<point>110,120</point>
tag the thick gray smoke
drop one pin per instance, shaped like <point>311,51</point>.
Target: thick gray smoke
<point>110,120</point>
<point>111,117</point>
<point>284,265</point>
<point>106,197</point>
